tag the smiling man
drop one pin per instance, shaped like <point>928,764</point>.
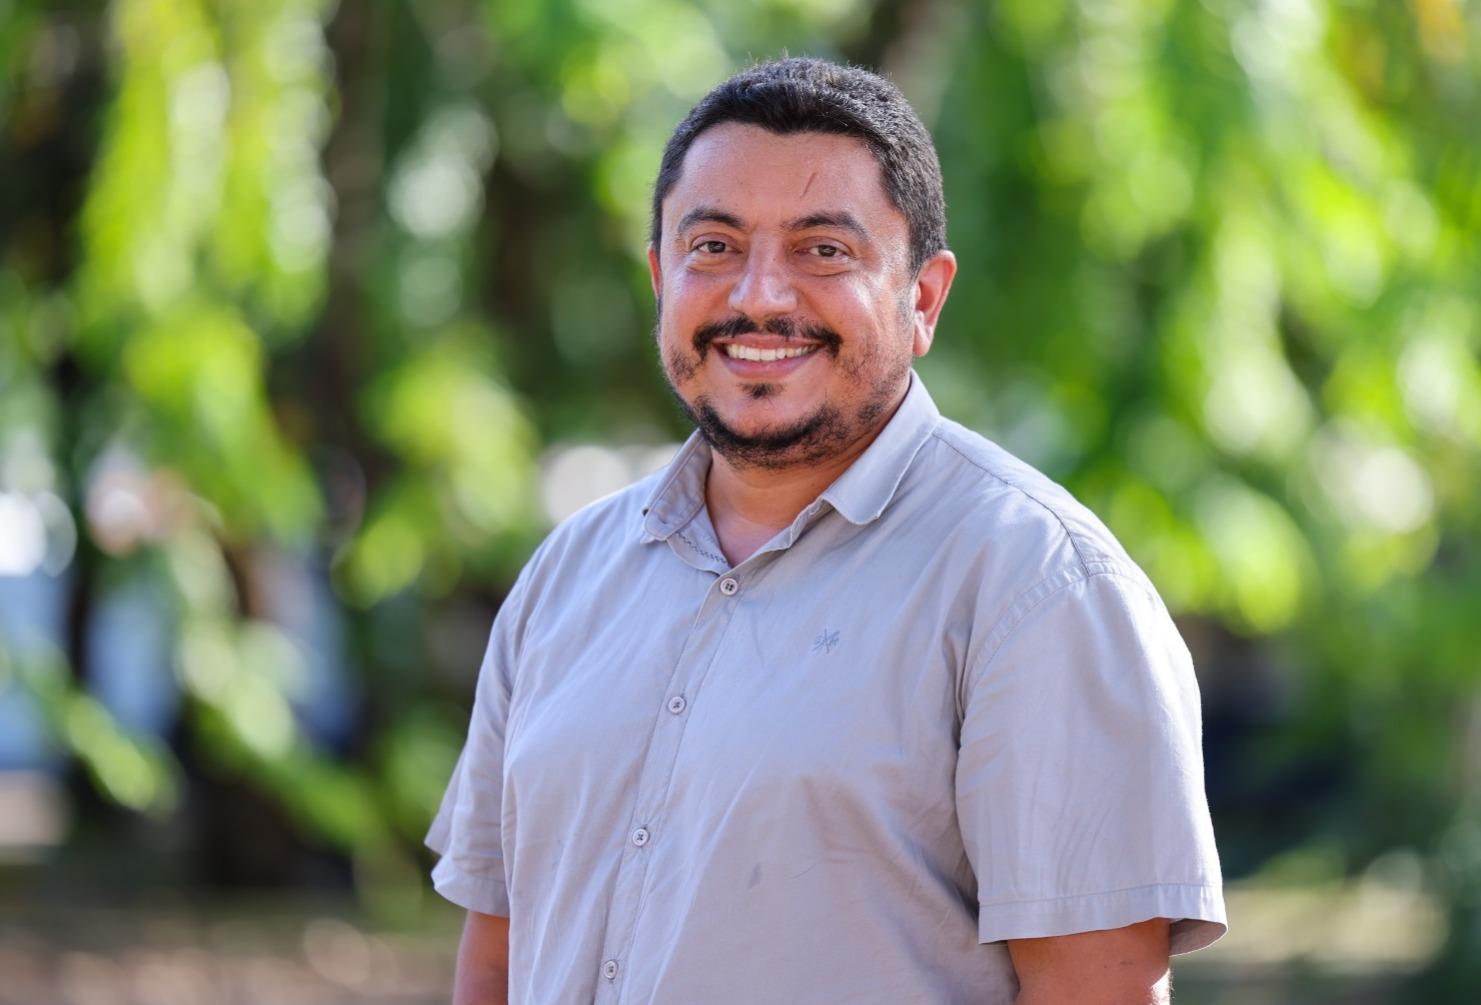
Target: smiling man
<point>847,704</point>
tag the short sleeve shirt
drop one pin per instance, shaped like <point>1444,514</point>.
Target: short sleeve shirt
<point>941,710</point>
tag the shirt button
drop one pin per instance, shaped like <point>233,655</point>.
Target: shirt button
<point>609,970</point>
<point>677,704</point>
<point>729,587</point>
<point>640,836</point>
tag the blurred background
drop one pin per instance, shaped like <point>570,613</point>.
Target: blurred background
<point>315,317</point>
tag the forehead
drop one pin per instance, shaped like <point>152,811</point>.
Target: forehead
<point>763,177</point>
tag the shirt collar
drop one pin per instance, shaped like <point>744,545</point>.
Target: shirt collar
<point>860,494</point>
<point>863,491</point>
<point>681,490</point>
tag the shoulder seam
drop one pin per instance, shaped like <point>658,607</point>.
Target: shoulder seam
<point>1015,617</point>
<point>1085,563</point>
<point>1025,604</point>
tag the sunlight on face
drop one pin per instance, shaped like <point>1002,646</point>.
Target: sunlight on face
<point>786,322</point>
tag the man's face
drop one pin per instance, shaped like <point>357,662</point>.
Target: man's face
<point>788,316</point>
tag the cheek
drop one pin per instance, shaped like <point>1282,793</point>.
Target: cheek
<point>677,284</point>
<point>690,293</point>
<point>680,363</point>
<point>856,299</point>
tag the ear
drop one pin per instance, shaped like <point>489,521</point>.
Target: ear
<point>931,287</point>
<point>653,272</point>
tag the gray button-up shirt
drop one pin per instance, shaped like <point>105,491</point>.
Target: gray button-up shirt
<point>941,710</point>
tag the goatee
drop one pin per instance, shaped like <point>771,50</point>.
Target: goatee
<point>826,432</point>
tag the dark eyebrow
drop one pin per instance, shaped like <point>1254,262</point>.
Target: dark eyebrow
<point>708,214</point>
<point>842,219</point>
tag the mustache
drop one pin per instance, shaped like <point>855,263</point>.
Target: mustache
<point>784,326</point>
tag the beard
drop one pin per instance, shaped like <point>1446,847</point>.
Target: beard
<point>808,440</point>
<point>827,431</point>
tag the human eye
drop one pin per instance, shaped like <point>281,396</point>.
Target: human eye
<point>711,246</point>
<point>827,251</point>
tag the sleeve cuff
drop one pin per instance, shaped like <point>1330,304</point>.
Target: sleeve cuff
<point>484,894</point>
<point>1196,913</point>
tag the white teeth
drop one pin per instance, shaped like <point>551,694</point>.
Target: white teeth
<point>765,355</point>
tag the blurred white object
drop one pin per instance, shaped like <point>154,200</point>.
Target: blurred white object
<point>33,815</point>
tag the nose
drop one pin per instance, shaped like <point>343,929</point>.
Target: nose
<point>764,288</point>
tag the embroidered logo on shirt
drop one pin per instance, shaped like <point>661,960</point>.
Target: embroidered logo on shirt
<point>825,642</point>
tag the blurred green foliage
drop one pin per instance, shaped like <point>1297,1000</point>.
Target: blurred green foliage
<point>292,278</point>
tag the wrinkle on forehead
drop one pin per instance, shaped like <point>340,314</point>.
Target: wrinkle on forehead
<point>812,176</point>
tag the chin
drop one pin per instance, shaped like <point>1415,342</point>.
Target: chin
<point>780,442</point>
<point>765,420</point>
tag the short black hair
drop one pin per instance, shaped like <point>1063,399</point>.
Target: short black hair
<point>804,95</point>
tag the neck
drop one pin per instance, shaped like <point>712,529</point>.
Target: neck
<point>749,505</point>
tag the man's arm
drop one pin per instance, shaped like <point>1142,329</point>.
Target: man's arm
<point>482,976</point>
<point>1121,966</point>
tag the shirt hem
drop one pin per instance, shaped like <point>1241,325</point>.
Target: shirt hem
<point>484,894</point>
<point>1196,913</point>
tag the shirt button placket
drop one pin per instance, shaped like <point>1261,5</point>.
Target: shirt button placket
<point>698,652</point>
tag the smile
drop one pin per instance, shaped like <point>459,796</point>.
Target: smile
<point>735,351</point>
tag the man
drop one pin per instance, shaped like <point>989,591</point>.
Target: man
<point>847,704</point>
